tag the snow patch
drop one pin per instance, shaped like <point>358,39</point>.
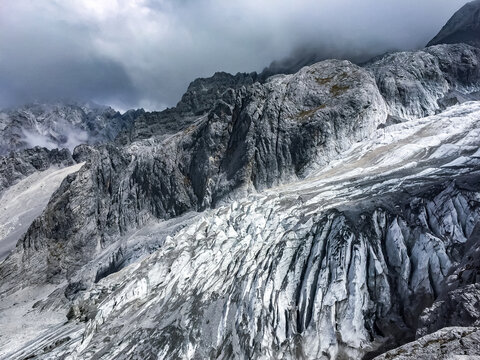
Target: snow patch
<point>23,202</point>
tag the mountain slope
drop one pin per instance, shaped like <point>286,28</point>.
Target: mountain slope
<point>448,343</point>
<point>421,83</point>
<point>320,235</point>
<point>26,200</point>
<point>60,125</point>
<point>18,165</point>
<point>251,139</point>
<point>463,27</point>
<point>337,264</point>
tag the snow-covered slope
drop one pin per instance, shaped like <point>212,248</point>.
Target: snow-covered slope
<point>24,201</point>
<point>282,219</point>
<point>336,265</point>
<point>18,165</point>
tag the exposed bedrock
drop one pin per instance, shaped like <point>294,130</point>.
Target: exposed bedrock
<point>462,27</point>
<point>422,83</point>
<point>252,138</point>
<point>339,264</point>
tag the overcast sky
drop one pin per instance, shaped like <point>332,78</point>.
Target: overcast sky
<point>144,53</point>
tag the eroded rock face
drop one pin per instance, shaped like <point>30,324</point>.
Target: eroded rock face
<point>458,303</point>
<point>339,265</point>
<point>198,100</point>
<point>422,83</point>
<point>463,27</point>
<point>353,241</point>
<point>252,138</point>
<point>448,343</point>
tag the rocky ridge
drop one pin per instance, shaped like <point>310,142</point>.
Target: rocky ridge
<point>338,265</point>
<point>448,343</point>
<point>60,125</point>
<point>463,27</point>
<point>321,260</point>
<point>422,83</point>
<point>254,140</point>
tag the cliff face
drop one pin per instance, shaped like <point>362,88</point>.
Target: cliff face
<point>337,265</point>
<point>325,231</point>
<point>422,83</point>
<point>252,138</point>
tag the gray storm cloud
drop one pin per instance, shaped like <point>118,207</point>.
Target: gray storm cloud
<point>133,53</point>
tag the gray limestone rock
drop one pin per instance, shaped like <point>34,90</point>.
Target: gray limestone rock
<point>321,235</point>
<point>453,343</point>
<point>251,139</point>
<point>458,304</point>
<point>422,83</point>
<point>198,100</point>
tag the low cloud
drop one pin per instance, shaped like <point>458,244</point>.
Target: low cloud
<point>33,139</point>
<point>63,136</point>
<point>143,53</point>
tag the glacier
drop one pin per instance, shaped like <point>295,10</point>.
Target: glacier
<point>336,265</point>
<point>327,214</point>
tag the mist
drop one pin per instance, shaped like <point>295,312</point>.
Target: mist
<point>134,53</point>
<point>64,136</point>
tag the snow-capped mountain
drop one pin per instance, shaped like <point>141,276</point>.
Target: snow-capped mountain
<point>60,125</point>
<point>332,213</point>
<point>339,263</point>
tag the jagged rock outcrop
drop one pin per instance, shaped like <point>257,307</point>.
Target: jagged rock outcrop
<point>337,266</point>
<point>445,344</point>
<point>252,138</point>
<point>459,302</point>
<point>463,27</point>
<point>198,100</point>
<point>422,83</point>
<point>338,260</point>
<point>61,125</point>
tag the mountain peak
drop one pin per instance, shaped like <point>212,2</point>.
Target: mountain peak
<point>463,27</point>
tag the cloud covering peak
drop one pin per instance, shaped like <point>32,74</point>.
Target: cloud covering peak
<point>143,53</point>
